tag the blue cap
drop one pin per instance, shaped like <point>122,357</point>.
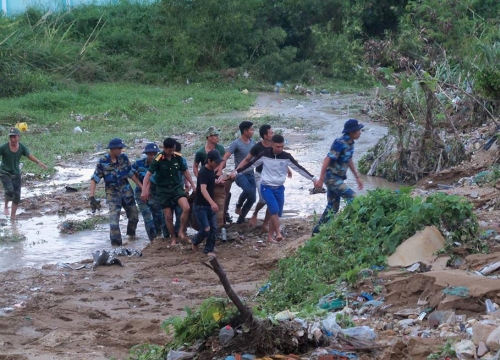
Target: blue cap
<point>150,148</point>
<point>352,125</point>
<point>116,143</point>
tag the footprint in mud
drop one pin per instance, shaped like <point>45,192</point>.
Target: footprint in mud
<point>64,318</point>
<point>136,302</point>
<point>96,315</point>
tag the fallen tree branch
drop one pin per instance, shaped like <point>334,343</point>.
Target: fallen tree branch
<point>217,268</point>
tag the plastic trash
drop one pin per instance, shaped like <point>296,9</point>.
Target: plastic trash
<point>489,306</point>
<point>342,354</point>
<point>364,333</point>
<point>490,268</point>
<point>225,335</point>
<point>179,355</point>
<point>330,325</point>
<point>77,129</point>
<point>223,234</point>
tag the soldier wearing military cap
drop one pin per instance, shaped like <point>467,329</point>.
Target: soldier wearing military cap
<point>151,211</point>
<point>10,172</point>
<point>115,169</point>
<point>212,143</point>
<point>334,171</point>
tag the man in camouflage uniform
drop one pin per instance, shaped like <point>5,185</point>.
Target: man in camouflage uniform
<point>168,169</point>
<point>115,168</point>
<point>334,169</point>
<point>150,210</point>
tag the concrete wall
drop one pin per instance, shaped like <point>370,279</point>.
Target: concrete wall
<point>12,7</point>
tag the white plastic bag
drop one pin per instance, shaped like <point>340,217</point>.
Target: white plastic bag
<point>179,355</point>
<point>363,333</point>
<point>330,324</point>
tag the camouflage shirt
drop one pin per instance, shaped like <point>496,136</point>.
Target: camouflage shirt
<point>115,175</point>
<point>340,154</point>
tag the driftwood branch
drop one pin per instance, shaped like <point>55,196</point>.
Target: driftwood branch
<point>217,268</point>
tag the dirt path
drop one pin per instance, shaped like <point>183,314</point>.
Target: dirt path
<point>101,313</point>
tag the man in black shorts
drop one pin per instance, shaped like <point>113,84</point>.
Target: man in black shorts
<point>169,186</point>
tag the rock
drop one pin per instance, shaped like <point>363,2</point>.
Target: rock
<point>389,326</point>
<point>437,318</point>
<point>452,319</point>
<point>405,323</point>
<point>421,247</point>
<point>481,331</point>
<point>493,340</point>
<point>474,195</point>
<point>481,349</point>
<point>465,349</point>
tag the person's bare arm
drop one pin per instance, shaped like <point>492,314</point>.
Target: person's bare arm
<point>356,174</point>
<point>38,162</point>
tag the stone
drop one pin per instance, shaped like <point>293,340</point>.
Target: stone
<point>421,247</point>
<point>452,319</point>
<point>437,318</point>
<point>493,341</point>
<point>482,349</point>
<point>474,195</point>
<point>405,323</point>
<point>480,332</point>
<point>465,349</point>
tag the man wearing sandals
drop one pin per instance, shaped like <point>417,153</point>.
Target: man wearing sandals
<point>275,162</point>
<point>168,169</point>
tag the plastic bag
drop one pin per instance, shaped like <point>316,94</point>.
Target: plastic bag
<point>363,333</point>
<point>330,325</point>
<point>179,355</point>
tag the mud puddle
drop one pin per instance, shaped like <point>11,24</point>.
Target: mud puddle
<point>320,120</point>
<point>38,242</point>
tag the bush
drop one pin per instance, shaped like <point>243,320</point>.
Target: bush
<point>362,235</point>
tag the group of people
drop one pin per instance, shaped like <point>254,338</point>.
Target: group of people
<point>163,181</point>
<point>162,178</point>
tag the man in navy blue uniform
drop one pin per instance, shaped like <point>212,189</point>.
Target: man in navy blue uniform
<point>334,170</point>
<point>115,169</point>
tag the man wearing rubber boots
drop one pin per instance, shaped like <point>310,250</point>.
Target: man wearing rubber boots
<point>115,169</point>
<point>151,211</point>
<point>334,169</point>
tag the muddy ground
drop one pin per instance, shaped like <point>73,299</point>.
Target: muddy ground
<point>59,313</point>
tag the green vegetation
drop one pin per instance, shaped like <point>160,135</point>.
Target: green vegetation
<point>103,111</point>
<point>72,226</point>
<point>212,314</point>
<point>363,235</point>
<point>447,350</point>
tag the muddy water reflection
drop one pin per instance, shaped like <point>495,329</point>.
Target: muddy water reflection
<point>322,120</point>
<point>45,244</point>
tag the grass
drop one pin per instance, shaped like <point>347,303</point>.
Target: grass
<point>128,111</point>
<point>72,226</point>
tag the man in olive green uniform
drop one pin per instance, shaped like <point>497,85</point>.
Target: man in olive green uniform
<point>10,173</point>
<point>168,169</point>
